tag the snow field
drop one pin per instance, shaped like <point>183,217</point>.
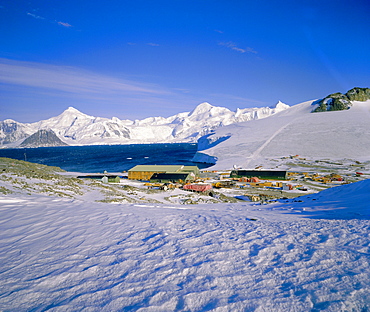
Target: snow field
<point>69,255</point>
<point>89,252</point>
<point>294,131</point>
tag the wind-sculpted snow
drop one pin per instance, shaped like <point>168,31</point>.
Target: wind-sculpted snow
<point>69,255</point>
<point>71,245</point>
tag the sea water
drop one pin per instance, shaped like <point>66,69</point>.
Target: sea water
<point>110,158</point>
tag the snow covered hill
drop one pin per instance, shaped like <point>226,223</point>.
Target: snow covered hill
<point>76,128</point>
<point>294,131</point>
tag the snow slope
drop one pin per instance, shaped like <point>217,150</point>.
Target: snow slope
<point>349,201</point>
<point>72,255</point>
<point>294,131</point>
<point>76,128</point>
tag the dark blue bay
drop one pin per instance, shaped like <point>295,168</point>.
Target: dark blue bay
<point>112,158</point>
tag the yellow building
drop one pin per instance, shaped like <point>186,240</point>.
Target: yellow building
<point>145,172</point>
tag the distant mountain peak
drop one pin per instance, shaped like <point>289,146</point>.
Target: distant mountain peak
<point>71,114</point>
<point>204,104</point>
<point>201,108</point>
<point>280,105</point>
<point>206,110</point>
<point>72,109</point>
<point>10,121</point>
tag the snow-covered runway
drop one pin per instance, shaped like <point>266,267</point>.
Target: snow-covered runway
<point>70,255</point>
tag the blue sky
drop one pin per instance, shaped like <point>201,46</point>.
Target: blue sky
<point>135,59</point>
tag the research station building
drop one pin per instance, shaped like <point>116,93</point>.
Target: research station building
<point>165,172</point>
<point>261,174</point>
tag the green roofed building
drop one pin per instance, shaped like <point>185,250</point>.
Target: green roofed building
<point>172,177</point>
<point>261,174</point>
<point>145,172</point>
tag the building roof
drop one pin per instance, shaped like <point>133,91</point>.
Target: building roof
<point>190,168</point>
<point>170,176</point>
<point>163,168</point>
<point>258,173</point>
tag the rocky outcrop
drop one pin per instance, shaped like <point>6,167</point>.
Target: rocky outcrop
<point>338,101</point>
<point>358,94</point>
<point>43,138</point>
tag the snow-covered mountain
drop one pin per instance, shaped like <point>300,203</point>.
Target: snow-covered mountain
<point>294,131</point>
<point>76,128</point>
